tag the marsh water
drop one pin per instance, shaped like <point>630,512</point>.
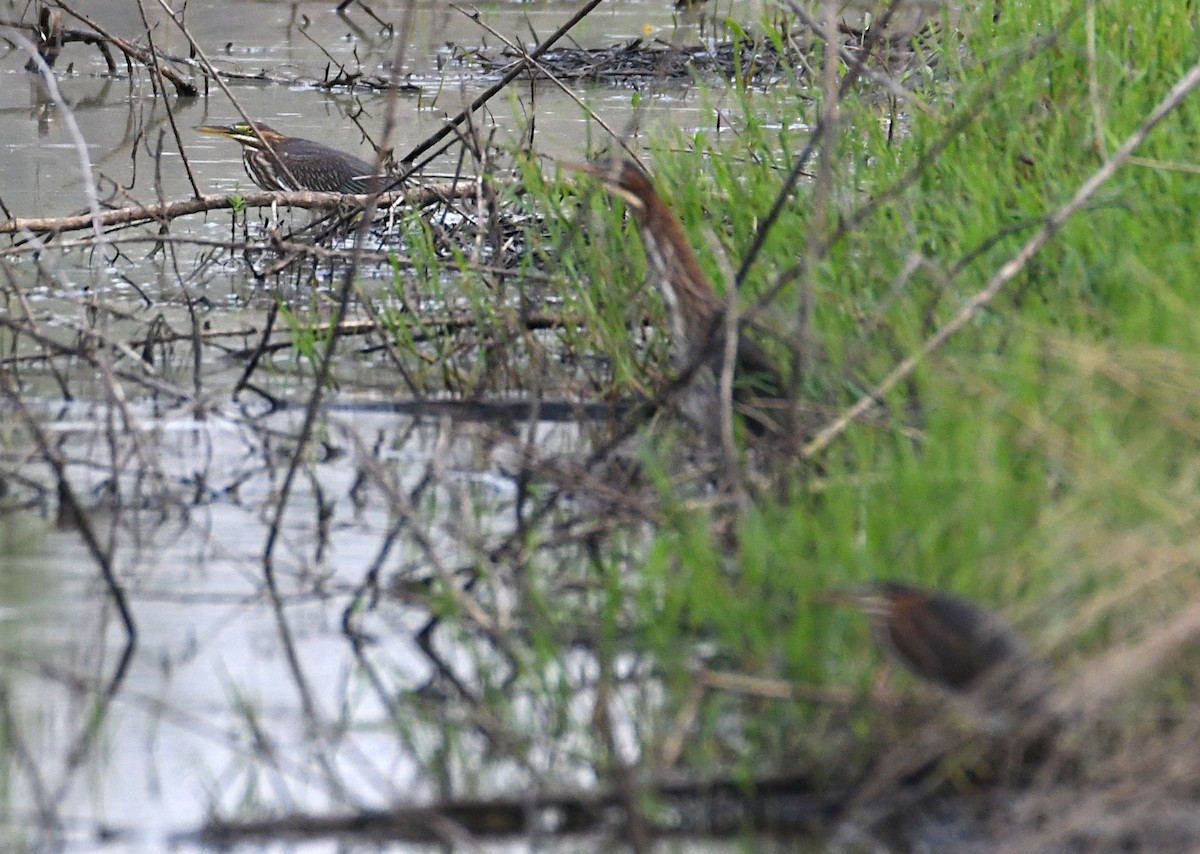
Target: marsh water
<point>215,716</point>
<point>245,692</point>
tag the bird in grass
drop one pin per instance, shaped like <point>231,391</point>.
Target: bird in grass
<point>955,644</point>
<point>695,313</point>
<point>277,162</point>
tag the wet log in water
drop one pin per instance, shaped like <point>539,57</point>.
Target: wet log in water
<point>788,806</point>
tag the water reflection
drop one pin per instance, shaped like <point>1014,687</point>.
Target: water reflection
<point>281,52</point>
<point>213,714</point>
<point>319,678</point>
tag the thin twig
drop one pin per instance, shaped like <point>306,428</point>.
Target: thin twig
<point>1009,270</point>
<point>501,84</point>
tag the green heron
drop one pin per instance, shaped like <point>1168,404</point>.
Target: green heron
<point>695,312</point>
<point>277,162</point>
<point>953,643</point>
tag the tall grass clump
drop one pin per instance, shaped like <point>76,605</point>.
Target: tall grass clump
<point>1042,458</point>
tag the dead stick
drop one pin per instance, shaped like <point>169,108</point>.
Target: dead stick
<point>209,202</point>
<point>132,51</point>
<point>1006,273</point>
<point>502,83</point>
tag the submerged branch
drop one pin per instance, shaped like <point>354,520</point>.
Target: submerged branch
<point>170,210</point>
<point>787,805</point>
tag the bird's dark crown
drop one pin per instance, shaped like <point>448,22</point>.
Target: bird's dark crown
<point>243,132</point>
<point>622,178</point>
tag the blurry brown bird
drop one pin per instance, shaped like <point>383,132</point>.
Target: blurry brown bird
<point>953,643</point>
<point>694,311</point>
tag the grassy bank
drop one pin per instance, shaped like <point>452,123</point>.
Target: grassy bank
<point>1042,462</point>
